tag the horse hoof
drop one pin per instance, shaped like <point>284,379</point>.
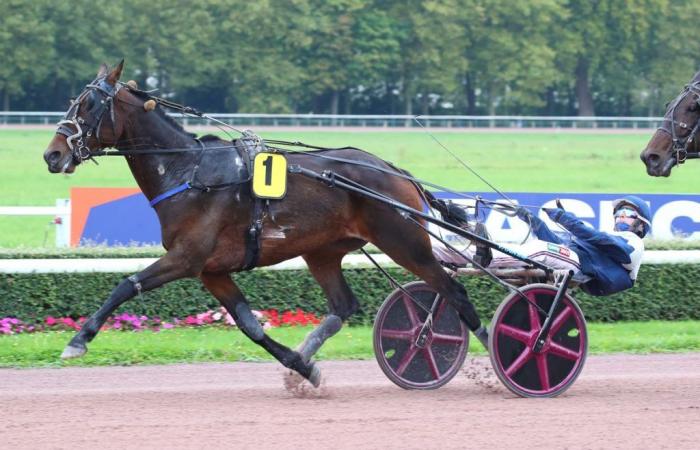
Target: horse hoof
<point>315,376</point>
<point>71,352</point>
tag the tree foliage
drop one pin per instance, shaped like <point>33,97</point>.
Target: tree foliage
<point>610,57</point>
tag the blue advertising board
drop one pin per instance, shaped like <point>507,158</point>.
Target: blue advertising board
<point>123,217</point>
<point>673,215</point>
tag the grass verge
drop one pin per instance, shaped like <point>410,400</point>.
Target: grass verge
<point>212,344</point>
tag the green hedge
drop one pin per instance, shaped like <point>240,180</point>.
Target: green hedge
<point>664,292</point>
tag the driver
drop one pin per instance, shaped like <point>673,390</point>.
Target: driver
<point>612,260</point>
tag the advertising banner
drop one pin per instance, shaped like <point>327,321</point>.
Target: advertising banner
<point>122,216</point>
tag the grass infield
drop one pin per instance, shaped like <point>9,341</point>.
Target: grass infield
<point>556,161</point>
<point>213,344</point>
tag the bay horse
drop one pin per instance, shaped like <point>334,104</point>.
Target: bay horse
<point>675,140</point>
<point>205,231</point>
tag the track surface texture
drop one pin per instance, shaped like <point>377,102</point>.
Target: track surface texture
<point>620,401</point>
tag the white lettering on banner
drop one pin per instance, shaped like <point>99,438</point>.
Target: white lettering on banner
<point>597,213</point>
<point>503,228</point>
<point>662,223</point>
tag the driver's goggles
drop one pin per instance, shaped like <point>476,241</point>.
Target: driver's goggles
<point>626,212</point>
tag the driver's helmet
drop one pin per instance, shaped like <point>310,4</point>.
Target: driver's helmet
<point>633,206</point>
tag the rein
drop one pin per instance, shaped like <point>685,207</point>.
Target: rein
<point>81,152</point>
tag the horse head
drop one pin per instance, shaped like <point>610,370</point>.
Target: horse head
<point>675,140</point>
<point>95,120</point>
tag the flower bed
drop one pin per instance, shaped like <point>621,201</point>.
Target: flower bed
<point>270,318</point>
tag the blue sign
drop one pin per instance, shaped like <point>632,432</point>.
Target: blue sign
<point>125,221</point>
<point>673,215</point>
<point>130,221</point>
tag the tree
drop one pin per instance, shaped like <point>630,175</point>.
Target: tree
<point>666,56</point>
<point>25,45</point>
<point>505,52</point>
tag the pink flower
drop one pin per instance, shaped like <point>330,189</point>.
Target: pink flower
<point>50,321</point>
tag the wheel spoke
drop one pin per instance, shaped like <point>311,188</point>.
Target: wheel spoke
<point>411,310</point>
<point>515,333</point>
<point>440,308</point>
<point>406,360</point>
<point>543,371</point>
<point>560,320</point>
<point>561,351</point>
<point>430,358</point>
<point>534,317</point>
<point>447,338</point>
<point>405,335</point>
<point>519,362</point>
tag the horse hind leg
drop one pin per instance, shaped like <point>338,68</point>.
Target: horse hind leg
<point>409,246</point>
<point>231,297</point>
<point>326,269</point>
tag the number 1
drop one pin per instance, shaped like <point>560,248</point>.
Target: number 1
<point>268,171</point>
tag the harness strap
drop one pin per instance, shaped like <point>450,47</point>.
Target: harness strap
<point>195,184</point>
<point>170,193</point>
<point>250,145</point>
<point>252,238</point>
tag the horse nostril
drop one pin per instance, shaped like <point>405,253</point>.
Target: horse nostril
<point>54,156</point>
<point>653,158</point>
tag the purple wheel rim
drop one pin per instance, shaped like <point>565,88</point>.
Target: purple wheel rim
<point>396,328</point>
<point>514,329</point>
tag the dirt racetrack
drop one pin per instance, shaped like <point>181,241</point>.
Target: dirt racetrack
<point>621,401</point>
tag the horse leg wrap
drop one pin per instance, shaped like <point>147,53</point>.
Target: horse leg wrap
<point>314,340</point>
<point>87,333</point>
<point>465,308</point>
<point>248,323</point>
<point>309,371</point>
<point>482,335</point>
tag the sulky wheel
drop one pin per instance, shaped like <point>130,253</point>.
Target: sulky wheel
<point>513,333</point>
<point>397,328</point>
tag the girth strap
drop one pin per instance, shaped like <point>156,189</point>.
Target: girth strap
<point>251,145</point>
<point>252,237</point>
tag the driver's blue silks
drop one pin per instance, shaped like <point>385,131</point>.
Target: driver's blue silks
<point>600,254</point>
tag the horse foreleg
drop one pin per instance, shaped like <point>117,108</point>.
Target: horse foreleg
<point>231,297</point>
<point>326,269</point>
<point>166,269</point>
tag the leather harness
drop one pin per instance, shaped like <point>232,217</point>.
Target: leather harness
<point>250,145</point>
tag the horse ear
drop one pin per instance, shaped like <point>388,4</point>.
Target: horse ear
<point>103,70</point>
<point>114,75</point>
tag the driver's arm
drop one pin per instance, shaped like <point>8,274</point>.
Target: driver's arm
<point>615,246</point>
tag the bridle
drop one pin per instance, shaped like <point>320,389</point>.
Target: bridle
<point>680,145</point>
<point>85,128</point>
